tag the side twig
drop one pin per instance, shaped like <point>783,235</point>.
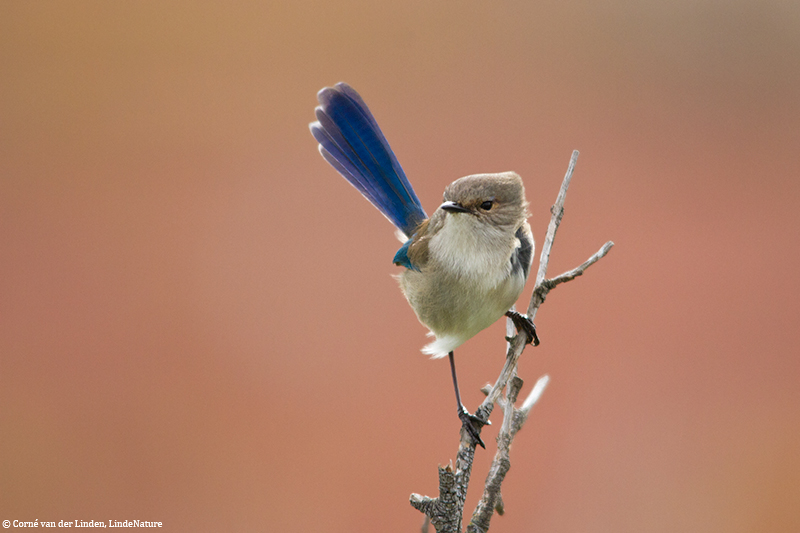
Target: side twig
<point>445,511</point>
<point>513,419</point>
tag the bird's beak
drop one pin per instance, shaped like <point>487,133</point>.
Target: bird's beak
<point>452,207</point>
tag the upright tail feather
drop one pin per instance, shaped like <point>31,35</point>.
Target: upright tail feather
<point>351,141</point>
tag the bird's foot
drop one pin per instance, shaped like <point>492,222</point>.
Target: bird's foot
<point>472,424</point>
<point>523,323</point>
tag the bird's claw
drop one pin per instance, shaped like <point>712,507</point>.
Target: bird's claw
<point>472,424</point>
<point>523,323</point>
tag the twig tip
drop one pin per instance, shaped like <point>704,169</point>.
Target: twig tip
<point>535,394</point>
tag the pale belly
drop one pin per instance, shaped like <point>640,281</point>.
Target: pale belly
<point>455,309</point>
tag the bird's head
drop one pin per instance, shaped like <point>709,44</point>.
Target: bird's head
<point>494,199</point>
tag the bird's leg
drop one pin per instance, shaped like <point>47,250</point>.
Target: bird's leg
<point>470,422</point>
<point>523,323</point>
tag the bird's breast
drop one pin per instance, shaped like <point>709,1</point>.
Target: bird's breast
<point>467,248</point>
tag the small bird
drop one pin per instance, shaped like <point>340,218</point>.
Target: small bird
<point>466,265</point>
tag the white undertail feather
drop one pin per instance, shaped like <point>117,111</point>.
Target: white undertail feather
<point>442,345</point>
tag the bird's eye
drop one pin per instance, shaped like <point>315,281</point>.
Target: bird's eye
<point>487,205</point>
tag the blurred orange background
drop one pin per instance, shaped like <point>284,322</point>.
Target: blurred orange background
<point>197,320</point>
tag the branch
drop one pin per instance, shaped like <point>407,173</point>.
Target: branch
<point>557,212</point>
<point>513,419</point>
<point>445,512</point>
<point>541,290</point>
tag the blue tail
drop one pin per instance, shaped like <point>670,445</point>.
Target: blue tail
<point>351,141</point>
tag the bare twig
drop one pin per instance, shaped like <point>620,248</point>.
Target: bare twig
<point>557,211</point>
<point>513,419</point>
<point>541,290</point>
<point>445,511</point>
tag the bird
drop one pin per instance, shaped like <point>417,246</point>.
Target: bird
<point>464,266</point>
